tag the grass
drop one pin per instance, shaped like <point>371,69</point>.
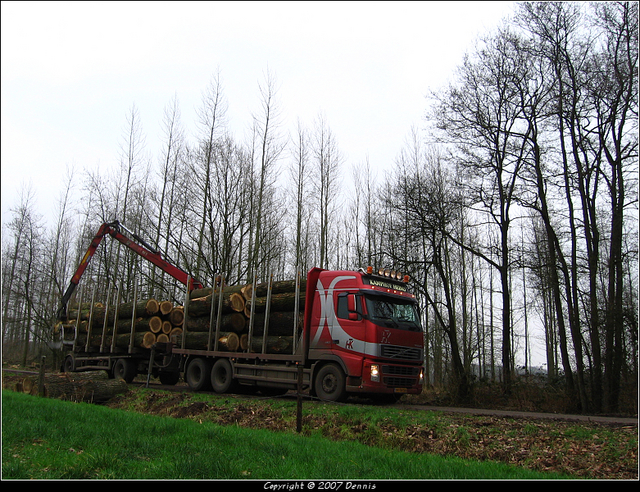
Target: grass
<point>51,439</point>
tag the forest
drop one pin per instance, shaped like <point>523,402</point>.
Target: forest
<point>513,207</point>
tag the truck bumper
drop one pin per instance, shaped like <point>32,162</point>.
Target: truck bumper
<point>387,378</point>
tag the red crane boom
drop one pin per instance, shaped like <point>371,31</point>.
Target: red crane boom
<point>139,246</point>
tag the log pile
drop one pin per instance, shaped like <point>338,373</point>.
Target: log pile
<point>92,386</point>
<point>153,321</point>
<point>236,318</point>
<point>159,321</point>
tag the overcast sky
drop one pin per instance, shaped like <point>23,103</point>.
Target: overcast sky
<point>72,71</point>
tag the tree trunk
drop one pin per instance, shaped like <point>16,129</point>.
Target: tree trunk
<point>165,307</point>
<point>176,316</point>
<point>93,386</point>
<point>274,345</point>
<point>149,307</point>
<point>231,303</point>
<point>200,341</point>
<point>279,302</point>
<point>278,287</point>
<point>140,340</point>
<point>235,322</point>
<point>280,323</point>
<point>228,289</point>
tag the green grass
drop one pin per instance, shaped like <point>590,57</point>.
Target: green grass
<point>51,439</point>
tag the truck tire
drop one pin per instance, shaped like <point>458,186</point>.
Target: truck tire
<point>69,364</point>
<point>125,369</point>
<point>169,378</point>
<point>198,374</point>
<point>222,376</point>
<point>329,383</point>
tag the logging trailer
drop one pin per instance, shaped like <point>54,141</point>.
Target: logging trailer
<point>334,333</point>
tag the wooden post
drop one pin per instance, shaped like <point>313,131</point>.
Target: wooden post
<point>219,318</point>
<point>251,311</point>
<point>183,343</point>
<point>41,377</point>
<point>266,317</point>
<point>75,331</point>
<point>89,326</point>
<point>299,400</point>
<point>115,318</point>
<point>133,318</point>
<point>151,358</point>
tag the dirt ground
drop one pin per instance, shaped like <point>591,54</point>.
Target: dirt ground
<point>533,440</point>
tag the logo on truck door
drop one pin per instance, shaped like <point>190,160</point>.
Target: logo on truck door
<point>329,321</point>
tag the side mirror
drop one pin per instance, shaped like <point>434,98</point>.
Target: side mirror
<point>352,307</point>
<point>351,303</point>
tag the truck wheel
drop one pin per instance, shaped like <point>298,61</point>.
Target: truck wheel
<point>222,376</point>
<point>124,369</point>
<point>329,383</point>
<point>169,378</point>
<point>198,374</point>
<point>69,364</point>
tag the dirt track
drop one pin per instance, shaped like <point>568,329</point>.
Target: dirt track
<point>605,420</point>
<point>531,415</point>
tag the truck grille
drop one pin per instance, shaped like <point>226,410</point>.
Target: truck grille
<point>398,352</point>
<point>398,376</point>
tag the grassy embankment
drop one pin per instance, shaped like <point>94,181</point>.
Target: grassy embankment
<point>51,439</point>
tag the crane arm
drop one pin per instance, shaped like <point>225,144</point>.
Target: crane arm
<point>139,246</point>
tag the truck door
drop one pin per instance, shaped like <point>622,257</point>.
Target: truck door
<point>348,321</point>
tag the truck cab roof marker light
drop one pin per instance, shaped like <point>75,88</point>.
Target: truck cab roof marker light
<point>387,272</point>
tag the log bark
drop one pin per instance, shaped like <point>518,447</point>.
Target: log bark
<point>140,340</point>
<point>278,287</point>
<point>274,345</point>
<point>144,308</point>
<point>201,306</point>
<point>123,325</point>
<point>235,322</point>
<point>228,289</point>
<point>93,386</point>
<point>200,341</point>
<point>284,301</point>
<point>175,336</point>
<point>281,323</point>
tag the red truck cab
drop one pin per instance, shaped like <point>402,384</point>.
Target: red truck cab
<point>364,331</point>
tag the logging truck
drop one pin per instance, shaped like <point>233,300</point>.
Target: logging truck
<point>333,334</point>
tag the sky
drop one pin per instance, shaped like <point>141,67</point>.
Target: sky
<point>72,71</point>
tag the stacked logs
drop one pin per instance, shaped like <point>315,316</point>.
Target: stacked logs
<point>93,386</point>
<point>236,318</point>
<point>162,322</point>
<point>153,322</point>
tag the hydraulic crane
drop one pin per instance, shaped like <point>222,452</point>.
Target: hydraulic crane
<point>116,230</point>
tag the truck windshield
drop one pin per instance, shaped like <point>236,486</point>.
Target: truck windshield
<point>393,313</point>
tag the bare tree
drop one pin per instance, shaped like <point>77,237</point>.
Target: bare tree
<point>480,117</point>
<point>269,147</point>
<point>328,159</point>
<point>211,121</point>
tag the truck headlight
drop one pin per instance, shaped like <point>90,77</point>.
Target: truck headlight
<point>375,373</point>
<point>421,375</point>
